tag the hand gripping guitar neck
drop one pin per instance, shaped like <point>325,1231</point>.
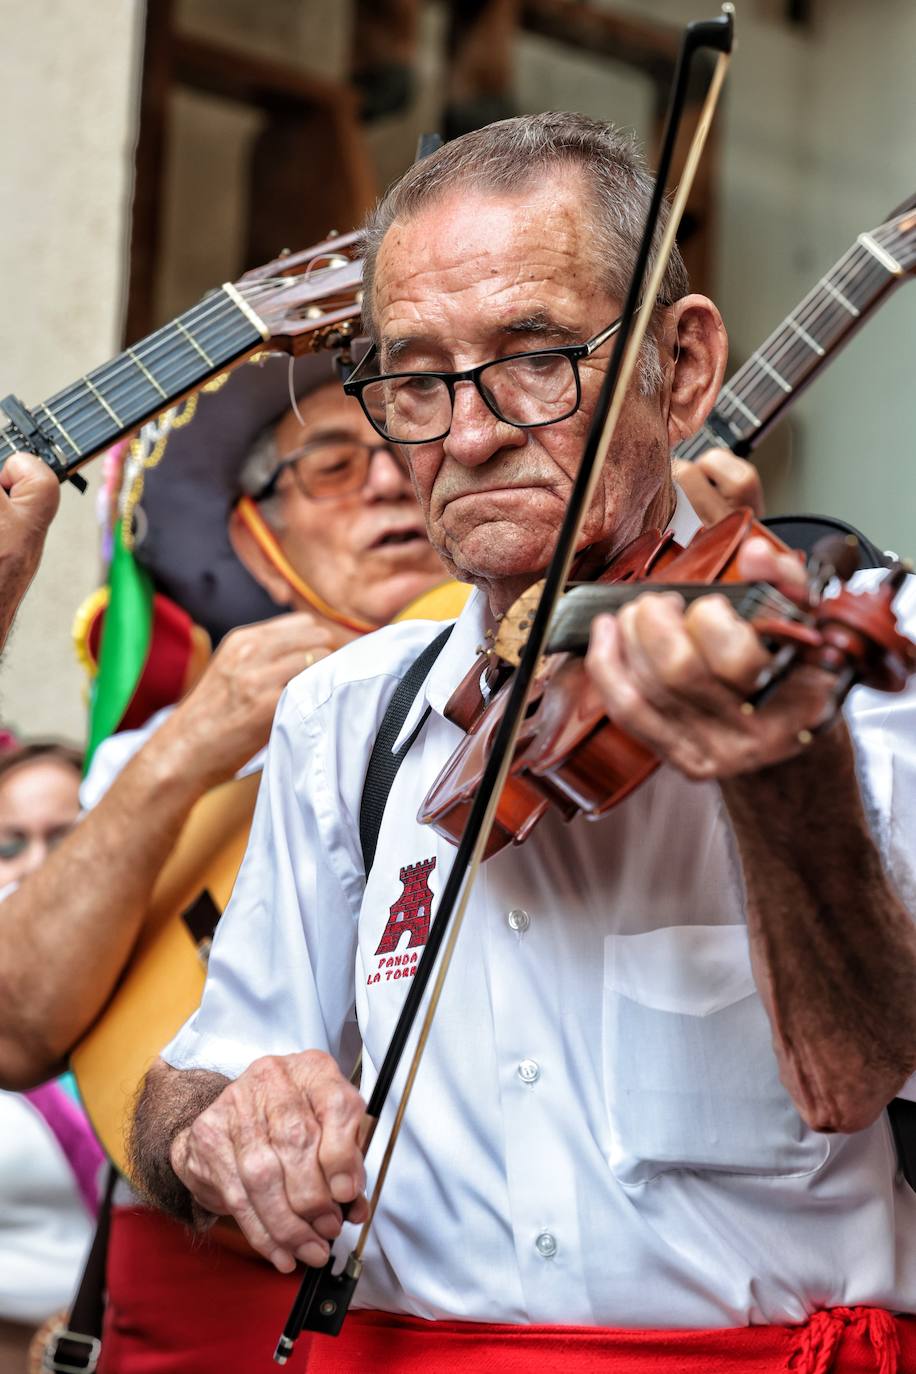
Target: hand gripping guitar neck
<point>325,1295</point>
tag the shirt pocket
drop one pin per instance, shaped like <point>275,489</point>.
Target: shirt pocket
<point>690,1075</point>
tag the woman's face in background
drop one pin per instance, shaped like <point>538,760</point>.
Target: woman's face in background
<point>39,804</point>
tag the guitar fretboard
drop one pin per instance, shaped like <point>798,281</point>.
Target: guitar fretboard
<point>773,375</point>
<point>119,396</point>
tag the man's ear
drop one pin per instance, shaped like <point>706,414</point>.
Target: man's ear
<point>700,346</point>
<point>250,554</point>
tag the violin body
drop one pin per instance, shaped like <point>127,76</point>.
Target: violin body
<point>571,757</point>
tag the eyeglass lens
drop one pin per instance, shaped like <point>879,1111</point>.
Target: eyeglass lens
<point>535,389</point>
<point>336,468</point>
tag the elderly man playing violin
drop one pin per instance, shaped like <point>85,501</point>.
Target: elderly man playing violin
<point>649,1127</point>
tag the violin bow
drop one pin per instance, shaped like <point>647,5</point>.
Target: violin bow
<point>324,1296</point>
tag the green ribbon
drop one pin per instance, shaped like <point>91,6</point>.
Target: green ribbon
<point>126,635</point>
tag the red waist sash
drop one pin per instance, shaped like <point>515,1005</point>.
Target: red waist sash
<point>840,1340</point>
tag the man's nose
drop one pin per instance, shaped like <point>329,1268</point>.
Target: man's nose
<point>476,433</point>
<point>386,479</point>
<point>35,854</point>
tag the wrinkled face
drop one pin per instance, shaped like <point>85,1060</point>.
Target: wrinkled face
<point>476,277</point>
<point>365,553</point>
<point>39,804</point>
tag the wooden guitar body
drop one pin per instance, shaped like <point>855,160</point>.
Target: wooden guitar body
<point>164,979</point>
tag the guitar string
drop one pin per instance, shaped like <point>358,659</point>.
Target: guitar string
<point>253,290</point>
<point>784,338</point>
<point>784,343</point>
<point>140,385</point>
<point>787,348</point>
<point>751,391</point>
<point>256,289</point>
<point>839,276</point>
<point>172,350</point>
<point>758,391</point>
<point>810,319</point>
<point>166,350</point>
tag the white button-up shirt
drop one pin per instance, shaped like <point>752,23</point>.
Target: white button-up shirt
<point>598,1133</point>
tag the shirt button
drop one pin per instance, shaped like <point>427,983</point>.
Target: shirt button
<point>546,1245</point>
<point>529,1071</point>
<point>518,920</point>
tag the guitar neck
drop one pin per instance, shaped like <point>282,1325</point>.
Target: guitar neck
<point>115,399</point>
<point>810,337</point>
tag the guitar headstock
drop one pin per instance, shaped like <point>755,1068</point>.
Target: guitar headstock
<point>897,236</point>
<point>309,300</point>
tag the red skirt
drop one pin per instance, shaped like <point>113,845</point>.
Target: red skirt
<point>185,1304</point>
<point>839,1341</point>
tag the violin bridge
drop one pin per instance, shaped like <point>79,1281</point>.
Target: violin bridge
<point>512,634</point>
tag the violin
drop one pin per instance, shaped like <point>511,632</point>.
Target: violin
<point>569,757</point>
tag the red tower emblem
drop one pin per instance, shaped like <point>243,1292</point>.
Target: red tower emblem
<point>411,911</point>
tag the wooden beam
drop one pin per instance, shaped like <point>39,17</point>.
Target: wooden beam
<point>149,164</point>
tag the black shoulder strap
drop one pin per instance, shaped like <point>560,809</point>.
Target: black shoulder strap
<point>383,761</point>
<point>78,1345</point>
<point>903,1127</point>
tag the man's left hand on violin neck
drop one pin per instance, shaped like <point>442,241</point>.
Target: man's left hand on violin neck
<point>680,679</point>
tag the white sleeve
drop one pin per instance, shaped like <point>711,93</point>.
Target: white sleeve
<point>883,726</point>
<point>281,971</point>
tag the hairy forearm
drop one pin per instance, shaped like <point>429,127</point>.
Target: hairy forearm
<point>67,931</point>
<point>169,1102</point>
<point>16,573</point>
<point>833,947</point>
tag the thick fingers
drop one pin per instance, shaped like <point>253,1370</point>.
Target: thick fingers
<point>719,482</point>
<point>255,1155</point>
<point>698,658</point>
<point>736,480</point>
<point>760,561</point>
<point>728,646</point>
<point>626,704</point>
<point>34,491</point>
<point>339,1111</point>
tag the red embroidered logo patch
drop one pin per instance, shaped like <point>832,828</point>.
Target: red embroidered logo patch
<point>411,911</point>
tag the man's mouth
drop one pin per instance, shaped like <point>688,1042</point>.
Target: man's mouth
<point>397,538</point>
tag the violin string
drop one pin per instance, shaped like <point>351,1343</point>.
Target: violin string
<point>747,602</point>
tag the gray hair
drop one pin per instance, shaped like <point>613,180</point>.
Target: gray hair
<point>258,466</point>
<point>515,152</point>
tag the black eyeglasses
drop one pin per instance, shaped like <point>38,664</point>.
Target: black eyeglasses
<point>331,466</point>
<point>525,390</point>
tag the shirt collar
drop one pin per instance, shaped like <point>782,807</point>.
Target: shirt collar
<point>470,629</point>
